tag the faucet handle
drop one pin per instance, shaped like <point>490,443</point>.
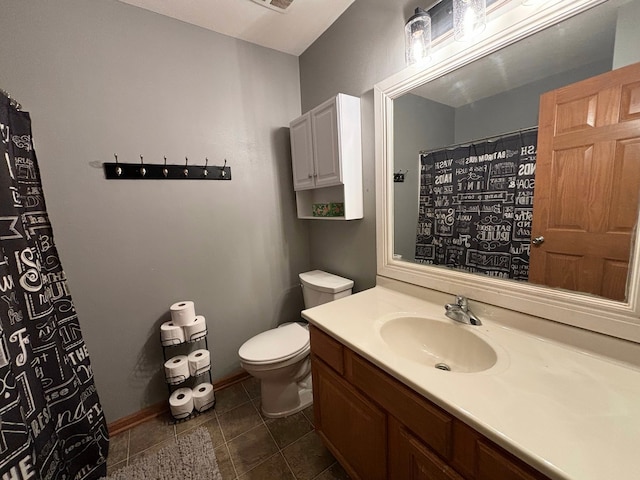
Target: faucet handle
<point>462,302</point>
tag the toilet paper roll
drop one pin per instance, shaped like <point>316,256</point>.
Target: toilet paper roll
<point>181,403</point>
<point>203,396</point>
<point>176,369</point>
<point>199,361</point>
<point>182,313</point>
<point>195,329</point>
<point>171,334</point>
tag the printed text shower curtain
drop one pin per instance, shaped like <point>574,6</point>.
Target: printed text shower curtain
<point>51,421</point>
<point>476,206</point>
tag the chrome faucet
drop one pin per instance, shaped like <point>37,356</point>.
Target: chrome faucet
<point>460,312</point>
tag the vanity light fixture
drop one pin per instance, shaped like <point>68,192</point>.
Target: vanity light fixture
<point>417,37</point>
<point>469,18</point>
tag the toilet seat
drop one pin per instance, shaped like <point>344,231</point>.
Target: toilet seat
<point>275,345</point>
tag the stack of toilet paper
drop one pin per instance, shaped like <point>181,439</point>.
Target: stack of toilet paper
<point>184,326</point>
<point>177,369</point>
<point>185,400</point>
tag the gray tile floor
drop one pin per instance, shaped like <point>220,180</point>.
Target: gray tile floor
<point>247,445</point>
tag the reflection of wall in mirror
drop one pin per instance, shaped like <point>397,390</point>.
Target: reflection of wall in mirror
<point>505,112</point>
<point>443,125</point>
<point>626,49</point>
<point>419,124</point>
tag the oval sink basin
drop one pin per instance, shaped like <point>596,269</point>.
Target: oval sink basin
<point>438,344</point>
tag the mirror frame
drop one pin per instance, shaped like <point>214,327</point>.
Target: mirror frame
<point>510,24</point>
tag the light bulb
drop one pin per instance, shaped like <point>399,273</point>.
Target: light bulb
<point>469,18</point>
<point>417,34</point>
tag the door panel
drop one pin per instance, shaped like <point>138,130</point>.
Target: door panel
<point>411,459</point>
<point>354,429</point>
<point>327,145</point>
<point>624,202</point>
<point>630,102</point>
<point>302,153</point>
<point>576,115</point>
<point>587,184</point>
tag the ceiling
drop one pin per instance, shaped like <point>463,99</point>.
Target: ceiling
<point>290,32</point>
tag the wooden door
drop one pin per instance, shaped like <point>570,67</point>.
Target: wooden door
<point>587,184</point>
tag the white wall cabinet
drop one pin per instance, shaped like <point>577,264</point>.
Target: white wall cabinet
<point>326,152</point>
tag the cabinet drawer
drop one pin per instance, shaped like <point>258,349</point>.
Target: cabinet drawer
<point>329,350</point>
<point>430,423</point>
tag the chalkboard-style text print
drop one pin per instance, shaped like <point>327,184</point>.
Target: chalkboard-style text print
<point>475,208</point>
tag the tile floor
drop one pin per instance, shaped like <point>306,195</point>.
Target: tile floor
<point>247,445</point>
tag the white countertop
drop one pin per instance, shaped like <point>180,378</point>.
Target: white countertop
<point>570,414</point>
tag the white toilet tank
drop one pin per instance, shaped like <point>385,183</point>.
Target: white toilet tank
<point>320,287</point>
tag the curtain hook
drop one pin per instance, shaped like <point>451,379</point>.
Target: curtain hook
<point>204,171</point>
<point>118,167</point>
<point>165,171</point>
<point>186,168</point>
<point>223,173</point>
<point>143,171</point>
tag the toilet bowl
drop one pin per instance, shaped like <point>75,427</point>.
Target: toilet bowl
<point>279,357</point>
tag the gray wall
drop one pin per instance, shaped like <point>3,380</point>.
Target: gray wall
<point>364,46</point>
<point>101,77</point>
<point>418,124</point>
<point>627,35</point>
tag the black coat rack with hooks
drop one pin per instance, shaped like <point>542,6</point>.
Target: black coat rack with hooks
<point>163,171</point>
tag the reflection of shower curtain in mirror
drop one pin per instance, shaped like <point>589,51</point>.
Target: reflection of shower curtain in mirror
<point>476,206</point>
<point>51,421</point>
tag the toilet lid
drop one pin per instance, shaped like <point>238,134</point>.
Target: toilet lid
<point>275,345</point>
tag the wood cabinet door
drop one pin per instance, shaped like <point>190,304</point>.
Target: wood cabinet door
<point>587,184</point>
<point>352,427</point>
<point>410,459</point>
<point>494,464</point>
<point>302,153</point>
<point>326,144</point>
<point>478,458</point>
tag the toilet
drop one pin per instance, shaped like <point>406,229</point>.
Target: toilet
<point>279,357</point>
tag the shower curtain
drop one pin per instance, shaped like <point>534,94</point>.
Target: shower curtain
<point>51,422</point>
<point>476,206</point>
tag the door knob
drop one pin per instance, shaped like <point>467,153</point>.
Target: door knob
<point>538,240</point>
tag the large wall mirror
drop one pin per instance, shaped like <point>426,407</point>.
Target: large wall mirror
<point>469,137</point>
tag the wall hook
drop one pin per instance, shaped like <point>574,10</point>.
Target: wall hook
<point>165,171</point>
<point>118,167</point>
<point>143,171</point>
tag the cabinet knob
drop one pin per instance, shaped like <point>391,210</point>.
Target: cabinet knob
<point>538,240</point>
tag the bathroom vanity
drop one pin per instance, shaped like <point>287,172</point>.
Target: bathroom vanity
<point>536,410</point>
